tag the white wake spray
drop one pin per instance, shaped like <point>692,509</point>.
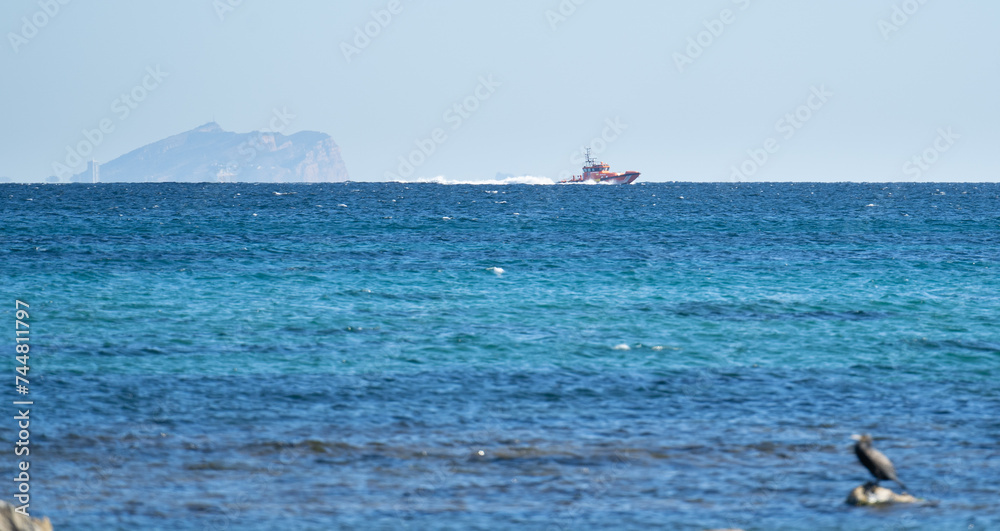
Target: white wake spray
<point>524,179</point>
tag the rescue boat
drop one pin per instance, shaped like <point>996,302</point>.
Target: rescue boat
<point>599,172</point>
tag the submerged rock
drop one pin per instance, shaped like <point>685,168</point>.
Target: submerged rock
<point>11,520</point>
<point>876,495</point>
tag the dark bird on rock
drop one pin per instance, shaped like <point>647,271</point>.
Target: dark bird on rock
<point>875,461</point>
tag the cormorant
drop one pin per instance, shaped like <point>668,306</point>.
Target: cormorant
<point>875,461</point>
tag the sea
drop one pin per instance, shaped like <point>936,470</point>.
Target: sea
<point>503,356</point>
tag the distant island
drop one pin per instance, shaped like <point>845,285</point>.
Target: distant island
<point>210,154</point>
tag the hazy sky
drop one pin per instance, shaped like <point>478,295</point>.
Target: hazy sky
<point>816,90</point>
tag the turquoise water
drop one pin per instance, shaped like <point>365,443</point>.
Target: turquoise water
<point>427,356</point>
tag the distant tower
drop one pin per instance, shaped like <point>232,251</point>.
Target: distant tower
<point>95,171</point>
<point>224,174</point>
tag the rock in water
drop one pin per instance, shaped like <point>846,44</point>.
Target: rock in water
<point>11,520</point>
<point>870,494</point>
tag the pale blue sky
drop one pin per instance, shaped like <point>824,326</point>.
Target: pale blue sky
<point>560,83</point>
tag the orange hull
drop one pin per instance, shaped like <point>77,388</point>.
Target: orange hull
<point>605,177</point>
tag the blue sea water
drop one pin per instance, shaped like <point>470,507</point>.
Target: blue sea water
<point>426,356</point>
